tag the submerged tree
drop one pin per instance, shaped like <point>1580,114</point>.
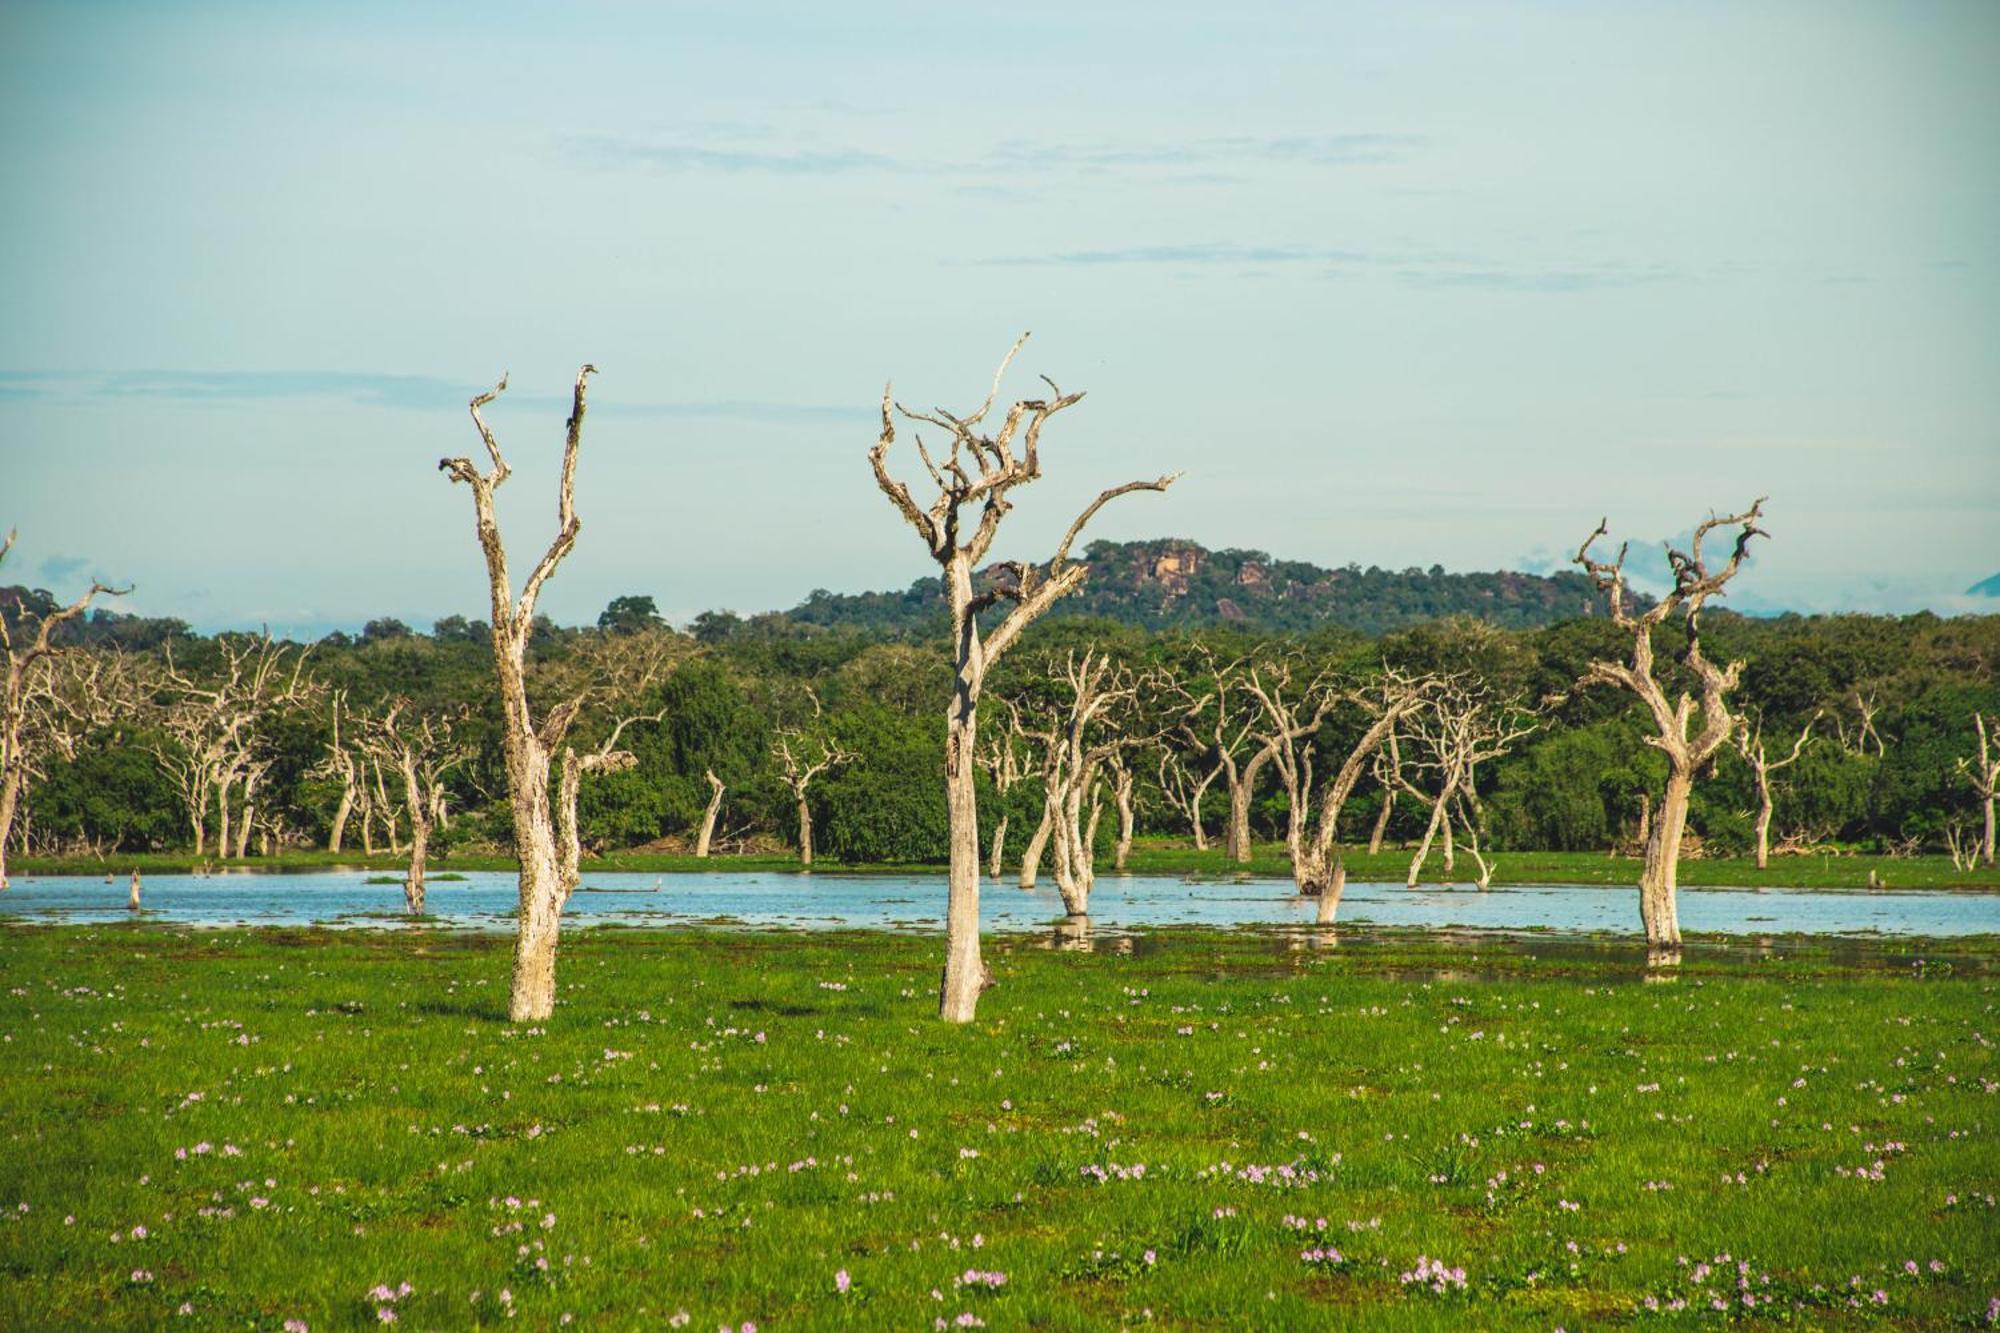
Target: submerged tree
<point>39,717</point>
<point>1293,721</point>
<point>1686,748</point>
<point>1750,744</point>
<point>545,834</point>
<point>421,749</point>
<point>981,469</point>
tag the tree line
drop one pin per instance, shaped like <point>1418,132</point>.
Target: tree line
<point>1667,726</point>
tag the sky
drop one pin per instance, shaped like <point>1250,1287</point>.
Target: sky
<point>1398,284</point>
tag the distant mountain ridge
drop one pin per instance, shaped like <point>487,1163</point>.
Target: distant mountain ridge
<point>1985,588</point>
<point>1169,583</point>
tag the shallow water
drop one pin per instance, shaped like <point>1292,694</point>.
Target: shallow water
<point>485,901</point>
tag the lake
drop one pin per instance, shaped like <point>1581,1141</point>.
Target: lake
<point>485,901</point>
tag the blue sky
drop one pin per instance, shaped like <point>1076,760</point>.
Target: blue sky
<point>1397,284</point>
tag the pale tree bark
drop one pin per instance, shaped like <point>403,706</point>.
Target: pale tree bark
<point>545,836</point>
<point>982,470</point>
<point>24,693</point>
<point>1084,732</point>
<point>1464,724</point>
<point>1219,724</point>
<point>1121,794</point>
<point>1389,773</point>
<point>61,699</point>
<point>339,765</point>
<point>1038,841</point>
<point>1985,780</point>
<point>1184,791</point>
<point>802,754</point>
<point>706,834</point>
<point>1003,764</point>
<point>217,721</point>
<point>1750,744</point>
<point>1293,721</point>
<point>1686,748</point>
<point>421,749</point>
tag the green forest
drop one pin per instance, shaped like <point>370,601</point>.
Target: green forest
<point>153,738</point>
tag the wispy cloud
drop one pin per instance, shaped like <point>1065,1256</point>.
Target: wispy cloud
<point>731,156</point>
<point>1539,280</point>
<point>1199,253</point>
<point>401,392</point>
<point>605,151</point>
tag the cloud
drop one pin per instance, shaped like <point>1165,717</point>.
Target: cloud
<point>1198,253</point>
<point>1009,158</point>
<point>605,151</point>
<point>1538,280</point>
<point>64,568</point>
<point>419,393</point>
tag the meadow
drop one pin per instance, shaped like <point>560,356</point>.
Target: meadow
<point>321,1130</point>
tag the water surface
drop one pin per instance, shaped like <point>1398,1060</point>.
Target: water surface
<point>485,901</point>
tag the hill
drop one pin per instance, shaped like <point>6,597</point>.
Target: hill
<point>1172,584</point>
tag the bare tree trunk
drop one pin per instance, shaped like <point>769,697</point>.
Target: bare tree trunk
<point>224,842</point>
<point>368,831</point>
<point>1645,818</point>
<point>1329,894</point>
<point>1242,787</point>
<point>1450,846</point>
<point>1122,792</point>
<point>999,847</point>
<point>805,833</point>
<point>715,789</point>
<point>1031,860</point>
<point>1658,907</point>
<point>1763,821</point>
<point>10,800</point>
<point>965,974</point>
<point>1424,847</point>
<point>340,815</point>
<point>413,879</point>
<point>1382,821</point>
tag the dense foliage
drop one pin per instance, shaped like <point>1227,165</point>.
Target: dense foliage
<point>1896,699</point>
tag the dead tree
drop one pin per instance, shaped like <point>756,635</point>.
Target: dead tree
<point>1686,751</point>
<point>216,722</point>
<point>339,766</point>
<point>1184,789</point>
<point>545,833</point>
<point>1293,721</point>
<point>1750,744</point>
<point>1229,734</point>
<point>984,470</point>
<point>1084,736</point>
<point>26,691</point>
<point>1001,758</point>
<point>1464,725</point>
<point>1985,780</point>
<point>1388,768</point>
<point>802,754</point>
<point>706,834</point>
<point>1866,708</point>
<point>421,749</point>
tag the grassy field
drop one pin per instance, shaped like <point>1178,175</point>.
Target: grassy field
<point>1163,856</point>
<point>337,1130</point>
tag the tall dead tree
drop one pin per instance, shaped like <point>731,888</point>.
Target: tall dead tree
<point>1750,744</point>
<point>545,832</point>
<point>984,470</point>
<point>421,749</point>
<point>1184,786</point>
<point>1388,766</point>
<point>1985,780</point>
<point>28,696</point>
<point>339,766</point>
<point>1294,717</point>
<point>802,754</point>
<point>706,834</point>
<point>1687,749</point>
<point>1228,730</point>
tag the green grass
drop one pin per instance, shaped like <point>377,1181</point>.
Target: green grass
<point>1160,856</point>
<point>721,1123</point>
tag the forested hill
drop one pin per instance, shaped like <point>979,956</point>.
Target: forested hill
<point>1171,583</point>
